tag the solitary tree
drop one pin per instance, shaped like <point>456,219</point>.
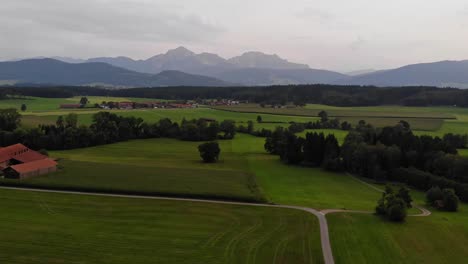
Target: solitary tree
<point>259,119</point>
<point>23,107</point>
<point>450,200</point>
<point>84,100</point>
<point>209,151</point>
<point>323,116</point>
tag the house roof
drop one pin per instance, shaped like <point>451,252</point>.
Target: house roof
<point>19,152</point>
<point>34,165</point>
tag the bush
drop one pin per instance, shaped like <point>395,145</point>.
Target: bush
<point>209,152</point>
<point>434,194</point>
<point>424,180</point>
<point>393,205</point>
<point>450,200</point>
<point>396,212</point>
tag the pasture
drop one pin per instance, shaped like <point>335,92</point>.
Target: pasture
<point>424,120</point>
<point>463,152</point>
<point>154,166</point>
<point>37,104</point>
<point>430,120</point>
<point>439,238</point>
<point>64,228</point>
<point>172,167</point>
<point>334,111</point>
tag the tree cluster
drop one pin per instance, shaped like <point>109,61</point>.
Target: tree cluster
<point>106,128</point>
<point>394,205</point>
<point>445,199</point>
<point>375,153</point>
<point>315,149</point>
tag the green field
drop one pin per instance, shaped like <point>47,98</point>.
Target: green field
<point>439,238</point>
<point>463,152</point>
<point>173,167</point>
<point>245,172</point>
<point>36,104</point>
<point>424,120</point>
<point>154,115</point>
<point>63,228</point>
<point>155,166</point>
<point>333,111</point>
<point>434,120</point>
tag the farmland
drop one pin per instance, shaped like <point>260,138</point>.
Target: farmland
<point>245,172</point>
<point>172,167</point>
<point>418,240</point>
<point>63,228</point>
<point>423,119</point>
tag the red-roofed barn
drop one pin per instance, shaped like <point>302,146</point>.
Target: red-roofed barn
<point>30,169</point>
<point>18,161</point>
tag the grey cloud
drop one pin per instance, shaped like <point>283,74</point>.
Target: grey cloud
<point>357,43</point>
<point>316,14</point>
<point>105,19</point>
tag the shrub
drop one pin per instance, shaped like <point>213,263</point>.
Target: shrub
<point>434,194</point>
<point>450,200</point>
<point>397,212</point>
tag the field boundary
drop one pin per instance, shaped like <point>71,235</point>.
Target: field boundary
<point>338,116</point>
<point>33,186</point>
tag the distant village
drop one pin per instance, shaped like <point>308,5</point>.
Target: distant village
<point>151,105</point>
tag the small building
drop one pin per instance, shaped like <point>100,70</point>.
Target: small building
<point>30,169</point>
<point>126,105</point>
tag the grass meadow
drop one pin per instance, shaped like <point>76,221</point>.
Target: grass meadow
<point>172,167</point>
<point>463,152</point>
<point>245,172</point>
<point>430,120</point>
<point>63,228</point>
<point>439,238</point>
<point>333,111</point>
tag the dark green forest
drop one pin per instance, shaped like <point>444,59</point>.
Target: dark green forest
<point>298,94</point>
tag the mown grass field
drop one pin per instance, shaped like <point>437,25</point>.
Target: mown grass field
<point>424,120</point>
<point>154,115</point>
<point>439,238</point>
<point>36,104</point>
<point>463,152</point>
<point>63,228</point>
<point>433,120</point>
<point>155,166</point>
<point>245,172</point>
<point>172,167</point>
<point>333,111</point>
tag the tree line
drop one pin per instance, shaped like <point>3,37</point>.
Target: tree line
<point>336,95</point>
<point>106,128</point>
<point>387,154</point>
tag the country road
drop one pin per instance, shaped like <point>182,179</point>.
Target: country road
<point>323,224</point>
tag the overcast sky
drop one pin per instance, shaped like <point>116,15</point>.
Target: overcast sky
<point>341,35</point>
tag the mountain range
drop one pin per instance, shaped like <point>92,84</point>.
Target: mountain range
<point>181,66</point>
<point>250,68</point>
<point>50,71</point>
